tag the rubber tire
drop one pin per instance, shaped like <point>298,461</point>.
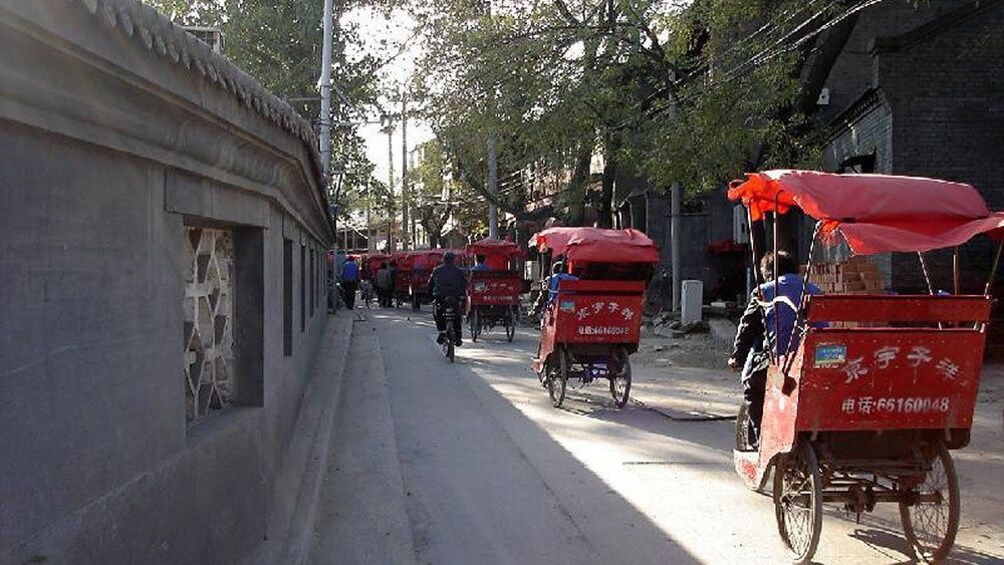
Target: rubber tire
<point>806,455</point>
<point>510,327</point>
<point>626,368</point>
<point>449,349</point>
<point>474,324</point>
<point>945,547</point>
<point>557,383</point>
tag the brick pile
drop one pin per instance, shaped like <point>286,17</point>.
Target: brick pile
<point>857,275</point>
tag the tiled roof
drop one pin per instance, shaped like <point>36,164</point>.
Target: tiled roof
<point>160,36</point>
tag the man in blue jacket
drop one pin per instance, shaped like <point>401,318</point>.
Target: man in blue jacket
<point>767,324</point>
<point>350,281</point>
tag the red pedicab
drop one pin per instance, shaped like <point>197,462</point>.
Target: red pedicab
<point>494,295</point>
<point>592,326</point>
<point>879,388</point>
<point>370,264</point>
<point>422,264</point>
<point>402,276</point>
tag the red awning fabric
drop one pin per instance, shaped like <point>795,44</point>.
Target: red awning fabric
<point>495,247</point>
<point>874,213</point>
<point>598,245</point>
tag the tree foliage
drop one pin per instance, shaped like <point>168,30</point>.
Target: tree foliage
<point>279,43</point>
<point>692,92</point>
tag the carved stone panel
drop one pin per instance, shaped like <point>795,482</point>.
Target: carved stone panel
<point>208,332</point>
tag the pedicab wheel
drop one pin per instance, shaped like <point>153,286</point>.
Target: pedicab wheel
<point>798,501</point>
<point>743,442</point>
<point>557,378</point>
<point>743,429</point>
<point>620,383</point>
<point>474,323</point>
<point>510,325</point>
<point>930,511</point>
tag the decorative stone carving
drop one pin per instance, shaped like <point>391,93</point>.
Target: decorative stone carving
<point>208,329</point>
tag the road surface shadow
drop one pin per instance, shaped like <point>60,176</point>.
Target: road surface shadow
<point>447,418</point>
<point>887,540</point>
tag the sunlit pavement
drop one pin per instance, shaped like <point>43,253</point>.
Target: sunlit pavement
<point>469,462</point>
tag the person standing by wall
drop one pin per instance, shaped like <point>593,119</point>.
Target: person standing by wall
<point>385,285</point>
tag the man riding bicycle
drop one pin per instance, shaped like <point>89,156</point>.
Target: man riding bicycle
<point>448,286</point>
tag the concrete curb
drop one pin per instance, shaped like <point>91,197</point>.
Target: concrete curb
<point>722,330</point>
<point>308,459</point>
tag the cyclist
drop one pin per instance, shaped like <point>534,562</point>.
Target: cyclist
<point>448,286</point>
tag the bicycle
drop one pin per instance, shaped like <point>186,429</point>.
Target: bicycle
<point>448,311</point>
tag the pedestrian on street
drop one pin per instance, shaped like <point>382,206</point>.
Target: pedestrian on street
<point>350,281</point>
<point>393,283</point>
<point>384,285</point>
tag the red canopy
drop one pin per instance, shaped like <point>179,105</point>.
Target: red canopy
<point>495,247</point>
<point>874,213</point>
<point>598,245</point>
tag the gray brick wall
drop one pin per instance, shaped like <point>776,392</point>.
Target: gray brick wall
<point>852,74</point>
<point>870,132</point>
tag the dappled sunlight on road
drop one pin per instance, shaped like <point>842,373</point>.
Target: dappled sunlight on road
<point>672,470</point>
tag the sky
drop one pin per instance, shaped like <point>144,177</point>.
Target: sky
<point>396,31</point>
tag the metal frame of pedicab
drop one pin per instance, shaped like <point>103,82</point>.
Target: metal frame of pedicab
<point>494,296</point>
<point>370,264</point>
<point>862,415</point>
<point>593,326</point>
<point>402,277</point>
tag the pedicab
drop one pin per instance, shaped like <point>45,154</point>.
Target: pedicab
<point>494,294</point>
<point>370,264</point>
<point>593,324</point>
<point>402,276</point>
<point>422,264</point>
<point>874,390</point>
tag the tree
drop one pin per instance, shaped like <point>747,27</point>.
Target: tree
<point>692,92</point>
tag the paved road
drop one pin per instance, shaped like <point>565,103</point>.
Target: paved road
<point>468,463</point>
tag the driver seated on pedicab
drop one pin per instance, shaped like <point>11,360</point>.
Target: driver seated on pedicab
<point>479,264</point>
<point>757,329</point>
<point>549,288</point>
<point>448,282</point>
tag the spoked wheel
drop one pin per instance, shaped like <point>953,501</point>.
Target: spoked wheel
<point>449,349</point>
<point>930,510</point>
<point>474,321</point>
<point>620,383</point>
<point>557,379</point>
<point>744,437</point>
<point>798,501</point>
<point>510,325</point>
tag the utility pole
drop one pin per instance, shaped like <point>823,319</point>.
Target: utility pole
<point>492,181</point>
<point>493,211</point>
<point>675,233</point>
<point>390,183</point>
<point>325,84</point>
<point>405,197</point>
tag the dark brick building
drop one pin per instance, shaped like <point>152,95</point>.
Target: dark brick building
<point>920,91</point>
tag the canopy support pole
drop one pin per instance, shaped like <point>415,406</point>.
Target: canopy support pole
<point>927,276</point>
<point>804,300</point>
<point>956,282</point>
<point>993,270</point>
<point>777,283</point>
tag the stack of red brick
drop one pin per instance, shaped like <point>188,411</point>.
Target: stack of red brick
<point>857,275</point>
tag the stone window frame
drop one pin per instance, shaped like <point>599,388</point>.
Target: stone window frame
<point>303,288</point>
<point>287,297</point>
<point>243,332</point>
